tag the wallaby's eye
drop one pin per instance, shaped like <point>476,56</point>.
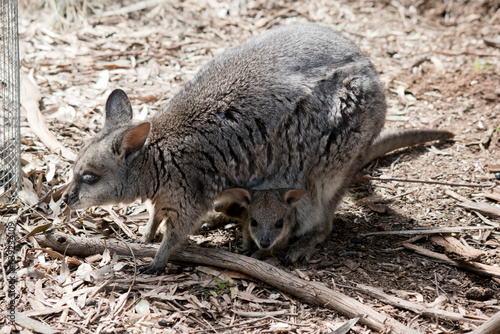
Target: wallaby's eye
<point>279,223</point>
<point>90,178</point>
<point>253,222</point>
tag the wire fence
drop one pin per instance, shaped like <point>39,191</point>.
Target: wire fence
<point>10,136</point>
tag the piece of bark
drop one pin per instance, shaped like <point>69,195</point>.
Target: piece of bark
<point>492,326</point>
<point>485,208</point>
<point>30,98</point>
<point>455,249</point>
<point>311,292</point>
<point>478,268</point>
<point>456,196</point>
<point>417,308</point>
<point>487,137</point>
<point>494,42</point>
<point>494,195</point>
<point>495,168</point>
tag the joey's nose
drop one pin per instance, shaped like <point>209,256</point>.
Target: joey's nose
<point>65,198</point>
<point>265,243</point>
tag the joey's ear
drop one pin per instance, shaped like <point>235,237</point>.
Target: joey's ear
<point>291,197</point>
<point>233,202</point>
<point>118,109</point>
<point>133,140</point>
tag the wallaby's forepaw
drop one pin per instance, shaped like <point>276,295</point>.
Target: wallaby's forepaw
<point>258,254</point>
<point>152,269</point>
<point>215,220</point>
<point>298,253</point>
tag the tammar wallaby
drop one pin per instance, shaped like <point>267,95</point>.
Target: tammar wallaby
<point>297,107</point>
<point>268,216</point>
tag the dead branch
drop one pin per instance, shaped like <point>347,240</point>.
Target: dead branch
<point>451,184</point>
<point>417,308</point>
<point>492,326</point>
<point>312,292</point>
<point>478,268</point>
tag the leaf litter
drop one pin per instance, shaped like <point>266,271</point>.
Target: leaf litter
<point>78,55</point>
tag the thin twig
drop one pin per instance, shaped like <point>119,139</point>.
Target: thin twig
<point>232,326</point>
<point>288,322</point>
<point>77,326</point>
<point>466,52</point>
<point>439,230</point>
<point>452,184</point>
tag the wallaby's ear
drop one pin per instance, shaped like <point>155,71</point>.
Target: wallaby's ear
<point>133,140</point>
<point>291,197</point>
<point>233,202</point>
<point>118,109</point>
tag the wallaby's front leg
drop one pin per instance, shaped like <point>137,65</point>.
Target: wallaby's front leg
<point>178,226</point>
<point>172,238</point>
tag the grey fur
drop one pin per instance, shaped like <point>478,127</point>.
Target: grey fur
<point>294,108</point>
<point>260,210</point>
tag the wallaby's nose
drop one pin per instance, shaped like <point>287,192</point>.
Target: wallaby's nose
<point>265,243</point>
<point>65,198</point>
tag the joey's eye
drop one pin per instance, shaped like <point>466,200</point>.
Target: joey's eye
<point>279,223</point>
<point>253,222</point>
<point>90,178</point>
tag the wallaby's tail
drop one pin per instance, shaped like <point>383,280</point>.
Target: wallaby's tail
<point>390,140</point>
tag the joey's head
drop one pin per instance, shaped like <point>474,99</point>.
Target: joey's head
<point>267,214</point>
<point>103,172</point>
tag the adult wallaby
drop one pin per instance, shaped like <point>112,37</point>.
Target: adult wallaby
<point>297,107</point>
<point>268,217</point>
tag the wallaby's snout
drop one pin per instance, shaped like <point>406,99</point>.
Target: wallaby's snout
<point>264,243</point>
<point>70,197</point>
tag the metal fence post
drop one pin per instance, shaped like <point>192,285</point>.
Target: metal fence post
<point>10,132</point>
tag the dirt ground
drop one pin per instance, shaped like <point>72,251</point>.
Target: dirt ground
<point>439,62</point>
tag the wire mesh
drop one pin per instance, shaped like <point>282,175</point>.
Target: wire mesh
<point>10,136</point>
